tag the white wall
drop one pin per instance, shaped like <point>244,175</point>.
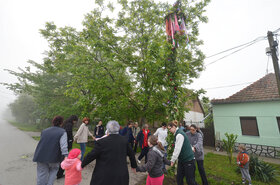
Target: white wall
<point>194,117</point>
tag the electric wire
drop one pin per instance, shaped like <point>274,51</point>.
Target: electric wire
<point>210,88</point>
<point>262,37</point>
<point>245,45</point>
<point>234,52</point>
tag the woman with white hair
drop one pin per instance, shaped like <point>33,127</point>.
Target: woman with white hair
<point>110,153</point>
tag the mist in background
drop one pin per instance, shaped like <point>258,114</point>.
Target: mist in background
<point>231,23</point>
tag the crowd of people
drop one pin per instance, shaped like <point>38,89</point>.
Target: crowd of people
<point>111,148</point>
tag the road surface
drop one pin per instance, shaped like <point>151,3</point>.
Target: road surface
<point>16,154</point>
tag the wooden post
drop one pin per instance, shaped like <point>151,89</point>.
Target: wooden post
<point>272,45</point>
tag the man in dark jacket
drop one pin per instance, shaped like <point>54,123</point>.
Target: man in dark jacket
<point>142,138</point>
<point>110,154</point>
<point>49,151</point>
<point>99,130</point>
<point>127,132</point>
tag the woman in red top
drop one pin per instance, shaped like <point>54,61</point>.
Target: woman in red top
<point>142,139</point>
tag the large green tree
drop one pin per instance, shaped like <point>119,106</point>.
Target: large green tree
<point>116,67</point>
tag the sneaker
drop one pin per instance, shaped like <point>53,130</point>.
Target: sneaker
<point>138,161</point>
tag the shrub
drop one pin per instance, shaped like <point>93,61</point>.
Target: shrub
<point>228,145</point>
<point>261,170</point>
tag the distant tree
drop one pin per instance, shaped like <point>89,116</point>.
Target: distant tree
<point>24,109</point>
<point>46,88</point>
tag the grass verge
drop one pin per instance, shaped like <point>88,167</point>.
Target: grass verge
<point>219,172</point>
<point>26,127</point>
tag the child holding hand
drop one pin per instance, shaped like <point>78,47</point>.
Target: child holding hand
<point>243,163</point>
<point>156,157</point>
<point>72,167</point>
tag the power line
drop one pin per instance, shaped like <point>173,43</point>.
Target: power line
<point>276,30</point>
<point>228,86</point>
<point>233,52</point>
<point>237,46</point>
<point>245,45</point>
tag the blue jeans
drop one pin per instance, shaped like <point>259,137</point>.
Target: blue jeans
<point>83,149</point>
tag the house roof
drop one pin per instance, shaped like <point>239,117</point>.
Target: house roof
<point>265,89</point>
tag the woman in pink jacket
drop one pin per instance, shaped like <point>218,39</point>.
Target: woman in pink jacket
<point>72,167</point>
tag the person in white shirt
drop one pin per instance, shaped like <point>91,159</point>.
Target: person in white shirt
<point>161,134</point>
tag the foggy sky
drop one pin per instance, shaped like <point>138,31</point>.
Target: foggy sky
<point>231,23</point>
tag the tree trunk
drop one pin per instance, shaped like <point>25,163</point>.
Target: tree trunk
<point>142,122</point>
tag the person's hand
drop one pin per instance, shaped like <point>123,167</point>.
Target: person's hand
<point>193,149</point>
<point>172,164</point>
<point>93,138</point>
<point>133,170</point>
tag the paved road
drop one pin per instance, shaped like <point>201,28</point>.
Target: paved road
<point>16,154</point>
<point>16,151</point>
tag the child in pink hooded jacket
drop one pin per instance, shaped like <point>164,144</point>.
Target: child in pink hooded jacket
<point>72,167</point>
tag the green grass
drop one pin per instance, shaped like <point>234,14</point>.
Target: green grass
<point>37,138</point>
<point>219,172</point>
<point>26,127</point>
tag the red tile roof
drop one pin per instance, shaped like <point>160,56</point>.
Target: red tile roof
<point>265,89</point>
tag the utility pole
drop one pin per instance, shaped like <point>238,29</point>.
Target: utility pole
<point>272,45</point>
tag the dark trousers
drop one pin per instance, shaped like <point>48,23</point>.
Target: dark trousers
<point>186,169</point>
<point>131,144</point>
<point>60,170</point>
<point>144,152</point>
<point>135,147</point>
<point>202,172</point>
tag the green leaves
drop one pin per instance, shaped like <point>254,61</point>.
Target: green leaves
<point>261,170</point>
<point>228,144</point>
<point>115,68</point>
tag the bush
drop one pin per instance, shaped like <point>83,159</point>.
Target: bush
<point>261,170</point>
<point>228,144</point>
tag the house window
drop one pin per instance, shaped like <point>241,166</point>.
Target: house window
<point>249,126</point>
<point>278,121</point>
